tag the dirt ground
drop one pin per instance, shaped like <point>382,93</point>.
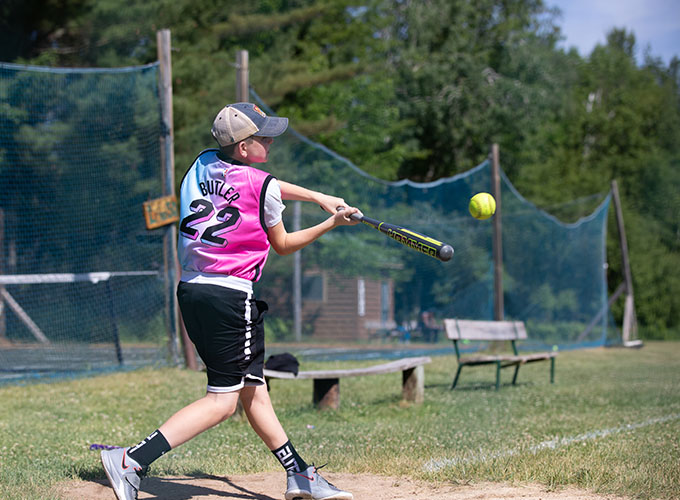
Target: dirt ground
<point>269,486</point>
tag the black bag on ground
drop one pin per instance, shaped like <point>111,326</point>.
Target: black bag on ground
<point>284,362</point>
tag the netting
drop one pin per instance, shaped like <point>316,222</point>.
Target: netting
<point>553,273</point>
<point>82,281</point>
<point>79,272</point>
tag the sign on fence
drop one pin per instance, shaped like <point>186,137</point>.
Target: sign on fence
<point>161,211</point>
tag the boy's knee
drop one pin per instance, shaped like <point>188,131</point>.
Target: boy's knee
<point>227,410</point>
<point>223,408</point>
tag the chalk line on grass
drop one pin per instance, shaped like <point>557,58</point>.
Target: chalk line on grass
<point>435,465</point>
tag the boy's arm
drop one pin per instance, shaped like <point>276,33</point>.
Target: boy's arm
<point>285,243</point>
<point>294,192</point>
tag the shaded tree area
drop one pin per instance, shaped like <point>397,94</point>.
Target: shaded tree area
<point>417,90</point>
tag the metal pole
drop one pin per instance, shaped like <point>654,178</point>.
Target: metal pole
<point>297,278</point>
<point>3,318</point>
<point>168,176</point>
<point>498,306</point>
<point>242,76</point>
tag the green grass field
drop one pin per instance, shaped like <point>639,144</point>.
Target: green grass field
<point>610,424</point>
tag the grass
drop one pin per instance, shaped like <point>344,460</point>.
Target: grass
<point>471,434</point>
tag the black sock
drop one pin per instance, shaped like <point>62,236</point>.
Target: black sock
<point>289,458</point>
<point>150,449</point>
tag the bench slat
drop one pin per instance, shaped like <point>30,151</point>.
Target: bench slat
<point>488,359</point>
<point>461,329</point>
<point>327,382</point>
<point>393,366</point>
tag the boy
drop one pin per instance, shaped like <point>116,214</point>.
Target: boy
<point>230,215</point>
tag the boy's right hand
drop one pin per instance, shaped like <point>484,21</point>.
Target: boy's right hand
<point>343,217</point>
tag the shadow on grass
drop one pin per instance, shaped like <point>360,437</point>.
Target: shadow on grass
<point>444,385</point>
<point>486,386</point>
<point>92,472</point>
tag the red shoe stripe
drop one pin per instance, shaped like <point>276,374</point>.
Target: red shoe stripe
<point>306,477</point>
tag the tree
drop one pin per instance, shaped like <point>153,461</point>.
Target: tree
<point>470,73</point>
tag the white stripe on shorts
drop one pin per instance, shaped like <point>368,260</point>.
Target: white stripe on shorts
<point>249,327</point>
<point>231,388</point>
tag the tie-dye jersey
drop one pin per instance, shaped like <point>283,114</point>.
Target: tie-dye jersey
<point>222,228</point>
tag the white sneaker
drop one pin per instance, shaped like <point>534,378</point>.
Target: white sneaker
<point>124,473</point>
<point>309,484</point>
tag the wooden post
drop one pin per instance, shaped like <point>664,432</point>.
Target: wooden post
<point>242,77</point>
<point>629,328</point>
<point>168,178</point>
<point>242,95</point>
<point>413,384</point>
<point>326,393</point>
<point>189,351</point>
<point>498,306</point>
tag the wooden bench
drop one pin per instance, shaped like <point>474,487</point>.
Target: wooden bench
<point>327,382</point>
<point>462,330</point>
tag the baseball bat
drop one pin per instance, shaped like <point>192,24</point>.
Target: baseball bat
<point>416,241</point>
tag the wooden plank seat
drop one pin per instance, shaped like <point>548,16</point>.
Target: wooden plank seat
<point>327,382</point>
<point>490,331</point>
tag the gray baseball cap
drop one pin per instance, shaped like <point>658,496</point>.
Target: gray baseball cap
<point>236,122</point>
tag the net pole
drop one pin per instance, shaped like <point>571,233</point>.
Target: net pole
<point>498,306</point>
<point>297,278</point>
<point>168,179</point>
<point>629,322</point>
<point>114,322</point>
<point>242,77</point>
<point>3,321</point>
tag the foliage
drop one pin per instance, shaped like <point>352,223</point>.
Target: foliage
<point>416,90</point>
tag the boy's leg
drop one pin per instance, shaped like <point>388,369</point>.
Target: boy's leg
<point>125,467</point>
<point>261,415</point>
<point>199,416</point>
<point>303,481</point>
<point>263,419</point>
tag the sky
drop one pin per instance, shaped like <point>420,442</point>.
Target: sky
<point>655,23</point>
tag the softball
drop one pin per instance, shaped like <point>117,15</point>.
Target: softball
<point>482,206</point>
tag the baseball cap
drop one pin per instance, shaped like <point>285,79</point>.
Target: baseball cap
<point>236,122</point>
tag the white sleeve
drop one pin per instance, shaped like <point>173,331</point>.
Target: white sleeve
<point>273,204</point>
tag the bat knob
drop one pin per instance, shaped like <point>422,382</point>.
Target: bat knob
<point>446,253</point>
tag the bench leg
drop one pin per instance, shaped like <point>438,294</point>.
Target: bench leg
<point>498,375</point>
<point>514,377</point>
<point>552,370</point>
<point>327,393</point>
<point>455,379</point>
<point>413,384</point>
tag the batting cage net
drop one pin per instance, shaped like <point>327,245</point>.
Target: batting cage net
<point>79,272</point>
<point>356,283</point>
<point>84,285</point>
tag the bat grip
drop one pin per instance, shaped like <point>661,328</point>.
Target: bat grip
<point>353,216</point>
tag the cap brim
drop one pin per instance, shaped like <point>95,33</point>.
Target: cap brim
<point>273,127</point>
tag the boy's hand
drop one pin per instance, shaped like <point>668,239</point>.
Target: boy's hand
<point>330,203</point>
<point>343,217</point>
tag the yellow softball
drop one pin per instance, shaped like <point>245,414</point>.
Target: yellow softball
<point>482,206</point>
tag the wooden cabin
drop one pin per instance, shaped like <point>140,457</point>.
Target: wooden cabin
<point>346,308</point>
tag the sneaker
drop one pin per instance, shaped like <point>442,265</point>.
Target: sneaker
<point>309,484</point>
<point>124,473</point>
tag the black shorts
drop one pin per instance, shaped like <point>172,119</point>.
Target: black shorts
<point>227,328</point>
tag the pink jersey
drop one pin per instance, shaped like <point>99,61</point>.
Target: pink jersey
<point>222,228</point>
